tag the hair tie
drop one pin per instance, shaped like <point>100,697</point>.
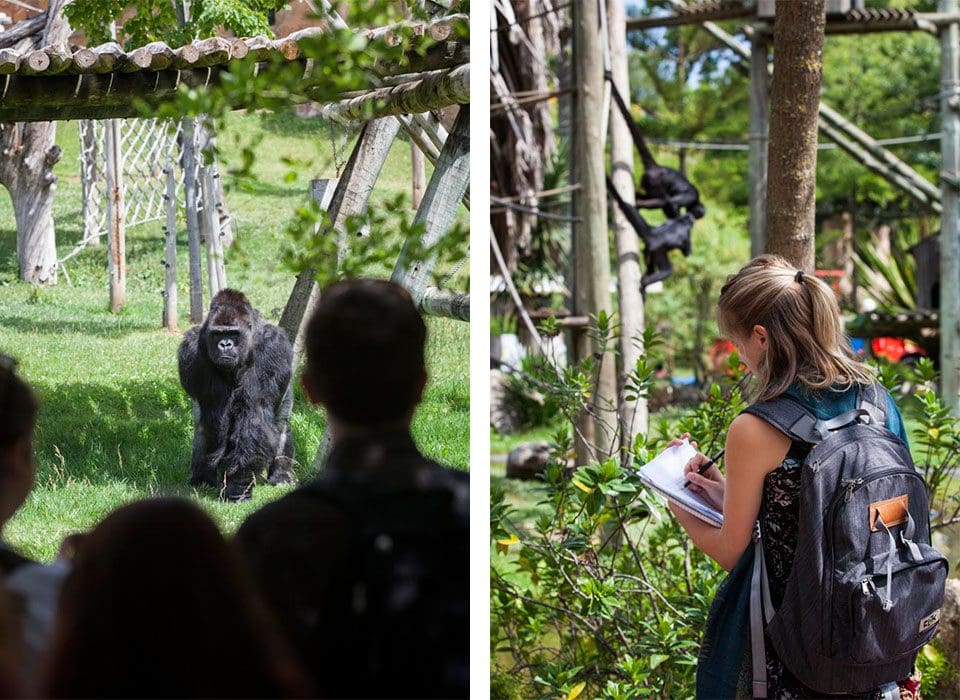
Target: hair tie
<point>799,277</point>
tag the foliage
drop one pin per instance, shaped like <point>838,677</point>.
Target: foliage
<point>156,20</point>
<point>935,441</point>
<point>888,279</point>
<point>600,594</point>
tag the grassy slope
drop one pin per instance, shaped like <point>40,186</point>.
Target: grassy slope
<point>114,423</point>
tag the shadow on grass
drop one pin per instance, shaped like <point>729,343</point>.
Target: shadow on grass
<point>107,327</point>
<point>138,433</point>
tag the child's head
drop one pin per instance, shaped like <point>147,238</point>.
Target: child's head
<point>786,326</point>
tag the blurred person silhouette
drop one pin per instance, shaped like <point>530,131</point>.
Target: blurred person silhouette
<point>367,566</point>
<point>159,604</point>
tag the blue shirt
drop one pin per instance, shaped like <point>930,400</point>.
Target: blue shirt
<point>826,404</point>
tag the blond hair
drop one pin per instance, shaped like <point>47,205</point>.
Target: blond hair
<point>805,339</point>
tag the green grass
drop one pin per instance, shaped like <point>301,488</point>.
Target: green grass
<point>114,423</point>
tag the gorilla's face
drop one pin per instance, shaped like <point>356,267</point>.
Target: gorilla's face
<point>228,346</point>
<point>229,332</point>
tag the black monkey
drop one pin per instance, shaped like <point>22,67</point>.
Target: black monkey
<point>663,187</point>
<point>237,369</point>
<point>673,234</point>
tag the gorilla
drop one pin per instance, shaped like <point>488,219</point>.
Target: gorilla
<point>237,369</point>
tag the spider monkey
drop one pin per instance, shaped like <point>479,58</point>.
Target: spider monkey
<point>673,234</point>
<point>663,187</point>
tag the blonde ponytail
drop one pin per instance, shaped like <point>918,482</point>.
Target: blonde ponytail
<point>805,339</point>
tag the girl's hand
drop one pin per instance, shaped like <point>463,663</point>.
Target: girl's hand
<point>679,440</point>
<point>710,485</point>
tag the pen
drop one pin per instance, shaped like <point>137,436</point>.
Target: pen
<point>706,465</point>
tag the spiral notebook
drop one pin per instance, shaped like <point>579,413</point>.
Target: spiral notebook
<point>664,474</point>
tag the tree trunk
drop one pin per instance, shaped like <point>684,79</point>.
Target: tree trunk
<point>792,156</point>
<point>28,153</point>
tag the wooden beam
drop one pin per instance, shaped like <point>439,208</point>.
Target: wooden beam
<point>170,319</point>
<point>432,92</point>
<point>633,414</point>
<point>350,199</point>
<point>444,303</point>
<point>193,219</point>
<point>437,213</point>
<point>950,221</point>
<point>116,233</point>
<point>596,431</point>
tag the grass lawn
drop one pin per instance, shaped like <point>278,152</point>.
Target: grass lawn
<point>114,423</point>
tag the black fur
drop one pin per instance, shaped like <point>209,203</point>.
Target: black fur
<point>673,234</point>
<point>237,368</point>
<point>663,187</point>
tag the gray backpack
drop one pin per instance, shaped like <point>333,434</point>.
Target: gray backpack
<point>866,587</point>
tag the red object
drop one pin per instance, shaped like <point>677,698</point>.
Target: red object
<point>833,279</point>
<point>894,349</point>
<point>719,352</point>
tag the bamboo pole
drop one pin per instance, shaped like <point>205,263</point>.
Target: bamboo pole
<point>116,238</point>
<point>950,221</point>
<point>633,414</point>
<point>170,320</point>
<point>596,434</point>
<point>193,220</point>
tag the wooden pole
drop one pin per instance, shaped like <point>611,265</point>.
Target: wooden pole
<point>759,134</point>
<point>116,239</point>
<point>949,228</point>
<point>633,414</point>
<point>210,229</point>
<point>193,220</point>
<point>596,434</point>
<point>170,253</point>
<point>446,188</point>
<point>794,98</point>
<point>350,199</point>
<point>418,173</point>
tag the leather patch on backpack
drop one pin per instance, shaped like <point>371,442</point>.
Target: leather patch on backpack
<point>929,621</point>
<point>893,511</point>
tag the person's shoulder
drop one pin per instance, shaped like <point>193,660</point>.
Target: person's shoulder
<point>302,508</point>
<point>755,436</point>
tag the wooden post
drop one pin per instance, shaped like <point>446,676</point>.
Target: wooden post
<point>418,168</point>
<point>949,230</point>
<point>193,220</point>
<point>116,238</point>
<point>170,256</point>
<point>595,440</point>
<point>439,208</point>
<point>633,414</point>
<point>759,133</point>
<point>210,230</point>
<point>350,199</point>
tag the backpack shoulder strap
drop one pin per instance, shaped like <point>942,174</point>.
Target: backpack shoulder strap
<point>792,418</point>
<point>873,399</point>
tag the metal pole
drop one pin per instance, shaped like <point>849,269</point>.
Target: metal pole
<point>759,135</point>
<point>949,230</point>
<point>116,239</point>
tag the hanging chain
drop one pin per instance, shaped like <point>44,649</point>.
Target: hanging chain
<point>455,270</point>
<point>338,160</point>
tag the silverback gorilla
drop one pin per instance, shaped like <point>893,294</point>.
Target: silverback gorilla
<point>237,369</point>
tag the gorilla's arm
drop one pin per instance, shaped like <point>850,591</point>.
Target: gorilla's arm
<point>193,364</point>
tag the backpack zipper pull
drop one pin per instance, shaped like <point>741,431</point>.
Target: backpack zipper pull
<point>851,485</point>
